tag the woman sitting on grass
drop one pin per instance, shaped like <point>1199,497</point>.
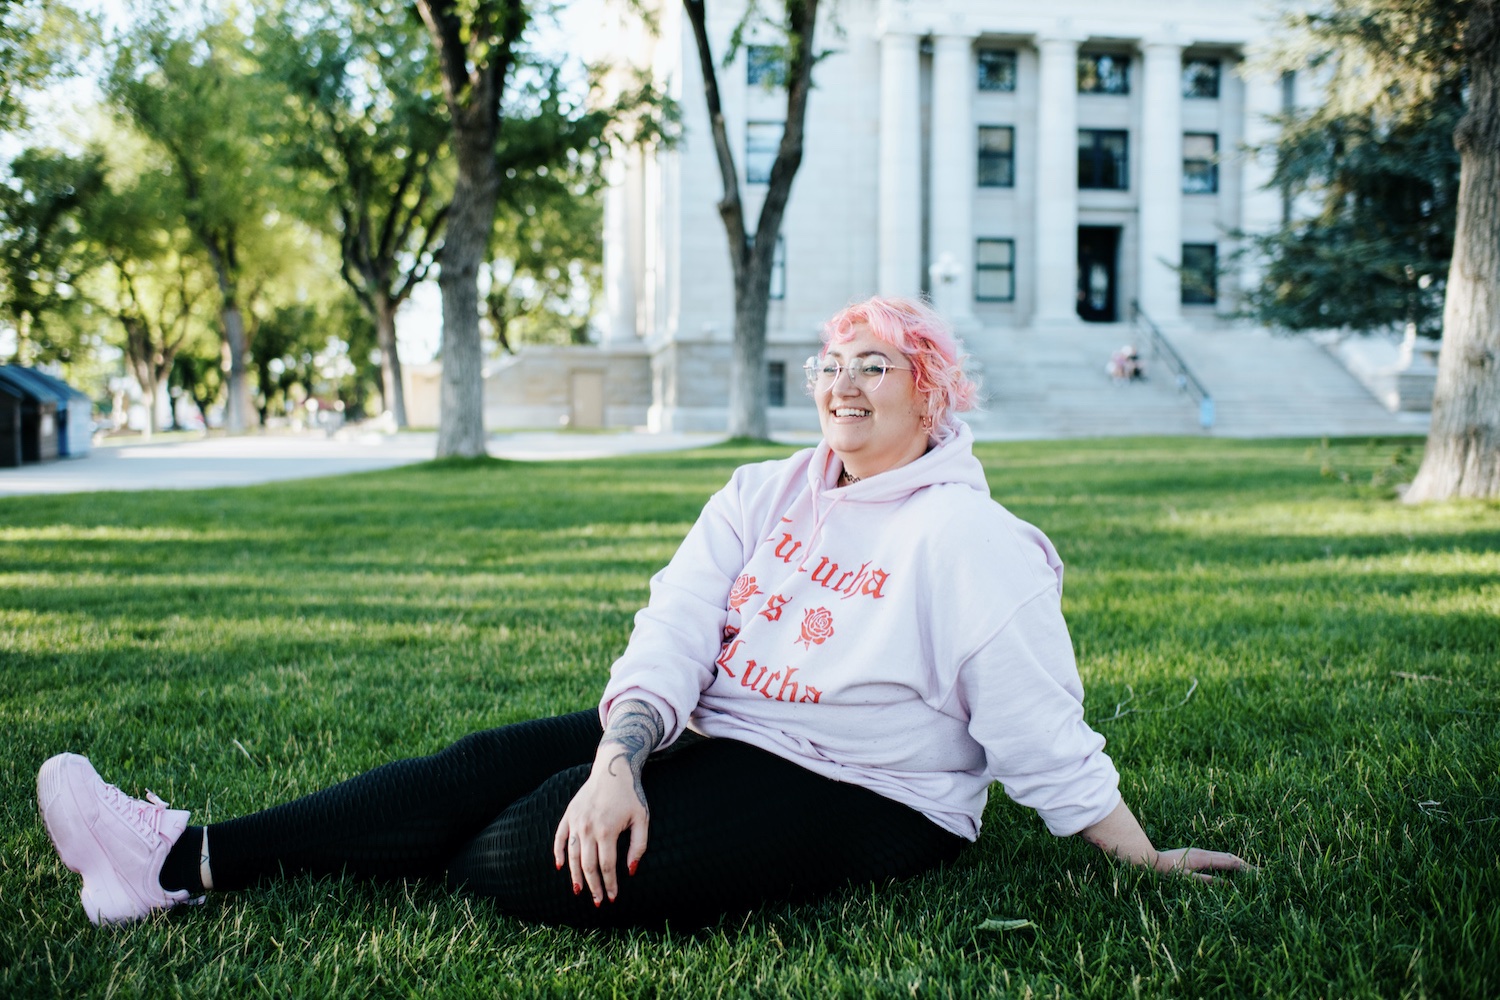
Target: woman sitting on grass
<point>850,646</point>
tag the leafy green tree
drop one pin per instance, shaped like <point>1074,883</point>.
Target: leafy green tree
<point>284,351</point>
<point>159,305</point>
<point>159,296</point>
<point>751,254</point>
<point>281,365</point>
<point>1376,252</point>
<point>364,128</point>
<point>43,251</point>
<point>308,354</point>
<point>198,373</point>
<point>545,271</point>
<point>1397,69</point>
<point>40,43</point>
<point>359,379</point>
<point>187,85</point>
<point>476,42</point>
<point>546,254</point>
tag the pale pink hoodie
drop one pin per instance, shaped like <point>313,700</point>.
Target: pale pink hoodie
<point>903,633</point>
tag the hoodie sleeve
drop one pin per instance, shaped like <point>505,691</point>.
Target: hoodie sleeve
<point>672,651</point>
<point>1025,703</point>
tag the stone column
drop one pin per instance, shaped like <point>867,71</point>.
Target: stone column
<point>954,154</point>
<point>1057,183</point>
<point>1260,204</point>
<point>621,248</point>
<point>1159,169</point>
<point>900,203</point>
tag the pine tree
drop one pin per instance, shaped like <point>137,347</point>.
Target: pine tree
<point>1375,254</point>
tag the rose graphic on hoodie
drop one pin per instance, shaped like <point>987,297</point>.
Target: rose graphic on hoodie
<point>817,627</point>
<point>744,589</point>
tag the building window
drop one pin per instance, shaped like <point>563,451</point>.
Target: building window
<point>1200,163</point>
<point>778,270</point>
<point>1200,274</point>
<point>997,70</point>
<point>775,383</point>
<point>761,142</point>
<point>765,66</point>
<point>997,156</point>
<point>1103,159</point>
<point>1200,78</point>
<point>1103,73</point>
<point>995,271</point>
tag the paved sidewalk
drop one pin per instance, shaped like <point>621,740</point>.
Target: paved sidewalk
<point>242,461</point>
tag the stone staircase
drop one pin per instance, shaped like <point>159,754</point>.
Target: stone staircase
<point>1047,383</point>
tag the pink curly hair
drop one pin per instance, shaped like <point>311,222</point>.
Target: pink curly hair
<point>924,338</point>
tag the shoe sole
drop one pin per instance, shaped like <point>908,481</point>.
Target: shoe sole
<point>105,899</point>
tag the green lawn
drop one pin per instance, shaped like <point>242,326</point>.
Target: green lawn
<point>1287,663</point>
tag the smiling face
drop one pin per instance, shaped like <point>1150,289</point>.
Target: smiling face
<point>871,430</point>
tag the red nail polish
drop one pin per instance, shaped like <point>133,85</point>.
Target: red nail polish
<point>559,866</point>
<point>596,904</point>
<point>577,888</point>
<point>634,865</point>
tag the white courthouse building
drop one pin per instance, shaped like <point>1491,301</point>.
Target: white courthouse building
<point>1028,166</point>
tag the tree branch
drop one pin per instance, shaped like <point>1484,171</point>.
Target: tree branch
<point>730,206</point>
<point>802,18</point>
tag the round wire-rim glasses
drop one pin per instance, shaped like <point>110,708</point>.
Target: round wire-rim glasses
<point>867,372</point>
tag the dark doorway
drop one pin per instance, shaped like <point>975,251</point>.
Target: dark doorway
<point>1098,259</point>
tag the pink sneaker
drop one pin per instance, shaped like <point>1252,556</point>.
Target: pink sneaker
<point>115,842</point>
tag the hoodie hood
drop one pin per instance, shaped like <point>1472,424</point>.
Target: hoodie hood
<point>949,460</point>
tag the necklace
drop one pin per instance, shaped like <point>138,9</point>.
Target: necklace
<point>847,480</point>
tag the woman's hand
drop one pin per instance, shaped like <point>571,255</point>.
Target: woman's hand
<point>1198,863</point>
<point>1120,835</point>
<point>611,801</point>
<point>588,837</point>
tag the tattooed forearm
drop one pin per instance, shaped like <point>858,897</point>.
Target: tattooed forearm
<point>637,729</point>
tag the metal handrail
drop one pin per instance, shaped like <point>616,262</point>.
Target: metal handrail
<point>1162,348</point>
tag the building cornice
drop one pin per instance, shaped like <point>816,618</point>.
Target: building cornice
<point>1196,22</point>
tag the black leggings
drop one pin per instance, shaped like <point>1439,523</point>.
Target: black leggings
<point>732,827</point>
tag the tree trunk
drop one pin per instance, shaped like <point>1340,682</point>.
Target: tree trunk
<point>392,392</point>
<point>472,94</point>
<point>139,362</point>
<point>160,370</point>
<point>149,390</point>
<point>224,260</point>
<point>499,319</point>
<point>751,257</point>
<point>1463,447</point>
<point>237,403</point>
<point>747,379</point>
<point>461,419</point>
